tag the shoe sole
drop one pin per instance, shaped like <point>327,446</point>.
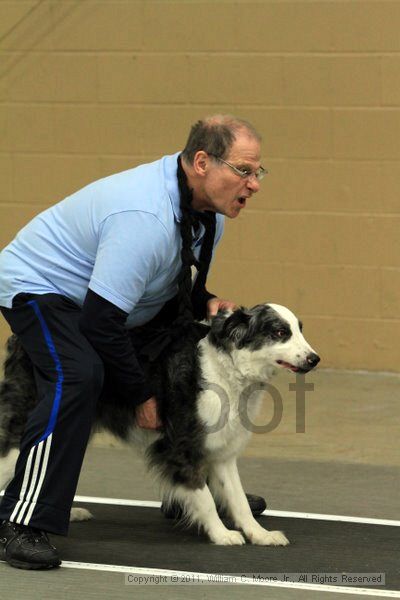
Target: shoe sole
<point>31,566</point>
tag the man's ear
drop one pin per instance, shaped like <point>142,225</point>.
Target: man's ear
<point>200,162</point>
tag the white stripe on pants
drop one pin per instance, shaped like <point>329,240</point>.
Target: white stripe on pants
<point>36,473</point>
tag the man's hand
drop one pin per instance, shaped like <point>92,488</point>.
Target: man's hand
<point>147,415</point>
<point>216,304</point>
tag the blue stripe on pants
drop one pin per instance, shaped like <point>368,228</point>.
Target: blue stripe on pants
<point>57,363</point>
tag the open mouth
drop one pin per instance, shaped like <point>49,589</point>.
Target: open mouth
<point>287,365</point>
<point>242,201</point>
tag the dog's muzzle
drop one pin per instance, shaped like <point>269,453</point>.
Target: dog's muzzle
<point>310,362</point>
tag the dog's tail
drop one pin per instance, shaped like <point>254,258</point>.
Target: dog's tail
<point>179,458</point>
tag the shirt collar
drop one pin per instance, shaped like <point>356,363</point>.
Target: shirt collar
<point>171,183</point>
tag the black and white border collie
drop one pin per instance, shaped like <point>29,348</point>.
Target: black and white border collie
<point>200,392</point>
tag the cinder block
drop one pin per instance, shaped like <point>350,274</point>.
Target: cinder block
<point>356,343</point>
<point>387,242</point>
<point>240,79</point>
<point>157,130</point>
<point>307,80</point>
<point>293,185</point>
<point>6,178</point>
<point>238,26</point>
<point>5,134</point>
<point>49,179</point>
<point>5,333</point>
<point>11,13</point>
<point>126,129</point>
<point>186,26</point>
<point>143,78</point>
<point>51,77</point>
<point>390,80</point>
<point>115,164</point>
<point>265,232</point>
<point>283,26</point>
<point>13,218</point>
<point>356,81</point>
<point>389,289</point>
<point>365,26</point>
<point>357,187</point>
<point>98,25</point>
<point>247,283</point>
<point>25,25</point>
<point>77,128</point>
<point>332,80</point>
<point>293,133</point>
<point>334,291</point>
<point>318,239</point>
<point>328,186</point>
<point>231,246</point>
<point>145,130</point>
<point>366,134</point>
<point>29,127</point>
<point>390,185</point>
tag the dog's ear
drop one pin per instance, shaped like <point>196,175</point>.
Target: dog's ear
<point>229,327</point>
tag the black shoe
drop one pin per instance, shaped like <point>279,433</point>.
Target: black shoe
<point>174,511</point>
<point>26,547</point>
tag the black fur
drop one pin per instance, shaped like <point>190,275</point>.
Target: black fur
<point>249,328</point>
<point>178,454</point>
<point>17,395</point>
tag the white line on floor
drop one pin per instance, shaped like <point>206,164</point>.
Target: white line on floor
<point>192,578</point>
<point>268,513</point>
<point>205,577</point>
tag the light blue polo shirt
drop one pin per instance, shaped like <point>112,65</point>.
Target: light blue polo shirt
<point>118,236</point>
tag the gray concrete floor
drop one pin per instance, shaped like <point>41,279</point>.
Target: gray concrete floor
<point>345,462</point>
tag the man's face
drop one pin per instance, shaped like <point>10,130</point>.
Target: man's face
<point>224,191</point>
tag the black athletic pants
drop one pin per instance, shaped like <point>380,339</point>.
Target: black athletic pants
<point>69,378</point>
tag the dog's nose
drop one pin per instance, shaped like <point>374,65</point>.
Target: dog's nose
<point>313,359</point>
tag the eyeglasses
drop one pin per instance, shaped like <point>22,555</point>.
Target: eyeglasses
<point>243,173</point>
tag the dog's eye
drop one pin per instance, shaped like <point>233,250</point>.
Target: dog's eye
<point>281,333</point>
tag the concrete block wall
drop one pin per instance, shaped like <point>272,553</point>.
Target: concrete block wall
<point>91,87</point>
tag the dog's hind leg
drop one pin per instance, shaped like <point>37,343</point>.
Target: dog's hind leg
<point>199,507</point>
<point>7,467</point>
<point>225,481</point>
<point>16,399</point>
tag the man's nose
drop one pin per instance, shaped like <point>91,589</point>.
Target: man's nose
<point>253,184</point>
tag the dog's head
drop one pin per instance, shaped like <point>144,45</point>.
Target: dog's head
<point>266,332</point>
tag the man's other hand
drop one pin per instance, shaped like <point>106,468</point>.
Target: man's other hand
<point>147,415</point>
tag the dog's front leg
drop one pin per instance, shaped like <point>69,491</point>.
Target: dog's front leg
<point>199,507</point>
<point>225,479</point>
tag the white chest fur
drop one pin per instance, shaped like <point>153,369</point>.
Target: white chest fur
<point>227,405</point>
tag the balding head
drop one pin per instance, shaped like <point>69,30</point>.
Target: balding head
<point>215,135</point>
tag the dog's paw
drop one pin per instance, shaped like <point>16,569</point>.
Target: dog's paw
<point>267,538</point>
<point>229,537</point>
<point>80,514</point>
